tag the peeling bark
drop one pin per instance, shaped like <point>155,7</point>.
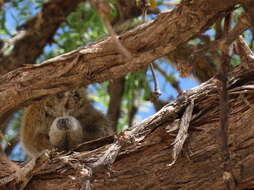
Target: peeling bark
<point>143,151</point>
<point>101,61</point>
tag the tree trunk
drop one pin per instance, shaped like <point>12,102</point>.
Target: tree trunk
<point>139,157</point>
<point>101,61</point>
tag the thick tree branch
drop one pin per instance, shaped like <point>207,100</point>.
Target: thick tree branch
<point>149,152</point>
<point>101,61</point>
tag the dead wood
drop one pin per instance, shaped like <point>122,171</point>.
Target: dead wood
<point>101,61</point>
<point>143,151</point>
<point>139,157</point>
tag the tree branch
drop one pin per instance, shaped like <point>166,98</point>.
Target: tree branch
<point>101,61</point>
<point>116,90</point>
<point>36,33</point>
<point>144,150</point>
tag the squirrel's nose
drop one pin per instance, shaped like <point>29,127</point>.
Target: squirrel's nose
<point>64,124</point>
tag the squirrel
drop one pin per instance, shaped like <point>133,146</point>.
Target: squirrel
<point>61,121</point>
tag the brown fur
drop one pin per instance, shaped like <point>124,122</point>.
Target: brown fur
<point>38,118</point>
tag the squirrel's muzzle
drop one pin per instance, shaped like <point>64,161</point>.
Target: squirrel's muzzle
<point>64,123</point>
<point>65,132</point>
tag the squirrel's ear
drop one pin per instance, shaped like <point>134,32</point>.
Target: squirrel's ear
<point>36,135</point>
<point>76,94</point>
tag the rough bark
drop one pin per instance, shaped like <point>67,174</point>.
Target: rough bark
<point>101,61</point>
<point>148,156</point>
<point>143,151</point>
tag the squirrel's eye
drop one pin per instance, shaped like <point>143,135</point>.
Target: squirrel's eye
<point>76,95</point>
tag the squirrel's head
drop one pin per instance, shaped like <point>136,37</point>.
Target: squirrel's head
<point>67,103</point>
